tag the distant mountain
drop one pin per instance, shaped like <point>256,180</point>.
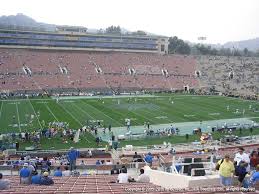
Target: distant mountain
<point>251,44</point>
<point>24,21</point>
<point>21,21</point>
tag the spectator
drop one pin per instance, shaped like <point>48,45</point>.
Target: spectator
<point>143,178</point>
<point>115,170</point>
<point>46,180</point>
<point>108,162</point>
<point>90,153</point>
<point>97,163</point>
<point>255,176</point>
<point>254,160</point>
<point>72,156</point>
<point>242,161</point>
<point>35,179</point>
<point>123,167</point>
<point>31,168</point>
<point>66,172</point>
<point>123,176</point>
<point>137,158</point>
<point>25,174</point>
<point>82,163</point>
<point>226,168</point>
<point>45,165</point>
<point>124,160</point>
<point>149,159</point>
<point>58,172</point>
<point>4,183</point>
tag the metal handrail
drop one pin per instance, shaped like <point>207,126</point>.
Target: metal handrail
<point>162,158</point>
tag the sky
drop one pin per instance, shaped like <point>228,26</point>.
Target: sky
<point>219,21</point>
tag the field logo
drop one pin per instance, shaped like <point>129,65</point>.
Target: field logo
<point>161,117</point>
<point>189,115</point>
<point>214,113</point>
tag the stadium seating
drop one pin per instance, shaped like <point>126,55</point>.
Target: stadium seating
<point>215,71</point>
<point>81,184</point>
<point>100,184</point>
<point>38,70</point>
<point>111,71</point>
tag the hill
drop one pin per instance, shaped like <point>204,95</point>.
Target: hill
<point>251,44</point>
<point>23,21</point>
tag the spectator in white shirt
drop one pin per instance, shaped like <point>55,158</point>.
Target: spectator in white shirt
<point>90,153</point>
<point>243,157</point>
<point>108,162</point>
<point>242,161</point>
<point>123,176</point>
<point>143,178</point>
<point>66,172</point>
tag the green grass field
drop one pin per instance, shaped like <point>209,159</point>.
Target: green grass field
<point>15,115</point>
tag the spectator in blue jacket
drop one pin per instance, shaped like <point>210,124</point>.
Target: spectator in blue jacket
<point>46,180</point>
<point>97,163</point>
<point>35,179</point>
<point>58,172</point>
<point>149,158</point>
<point>72,156</point>
<point>25,174</point>
<point>254,179</point>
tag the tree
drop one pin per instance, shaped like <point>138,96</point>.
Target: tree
<point>224,52</point>
<point>236,52</point>
<point>100,31</point>
<point>140,33</point>
<point>203,49</point>
<point>178,46</point>
<point>246,52</point>
<point>214,52</point>
<point>113,30</point>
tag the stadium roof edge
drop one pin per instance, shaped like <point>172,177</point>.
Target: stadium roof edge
<point>80,34</point>
<point>76,49</point>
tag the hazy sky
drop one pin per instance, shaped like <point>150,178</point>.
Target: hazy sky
<point>218,20</point>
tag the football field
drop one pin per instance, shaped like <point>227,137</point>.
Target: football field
<point>30,114</point>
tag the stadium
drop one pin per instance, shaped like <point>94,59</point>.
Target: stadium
<point>117,97</point>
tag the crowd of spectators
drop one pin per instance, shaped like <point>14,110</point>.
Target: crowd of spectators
<point>53,130</point>
<point>244,166</point>
<point>34,70</point>
<point>230,75</point>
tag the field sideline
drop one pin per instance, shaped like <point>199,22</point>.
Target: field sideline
<point>30,114</point>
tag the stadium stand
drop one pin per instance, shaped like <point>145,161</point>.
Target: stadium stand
<point>60,70</point>
<point>45,70</point>
<point>233,75</point>
<point>81,184</point>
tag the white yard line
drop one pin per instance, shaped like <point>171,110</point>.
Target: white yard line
<point>74,119</point>
<point>18,117</point>
<point>51,113</point>
<point>71,115</point>
<point>83,110</point>
<point>35,114</point>
<point>101,112</point>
